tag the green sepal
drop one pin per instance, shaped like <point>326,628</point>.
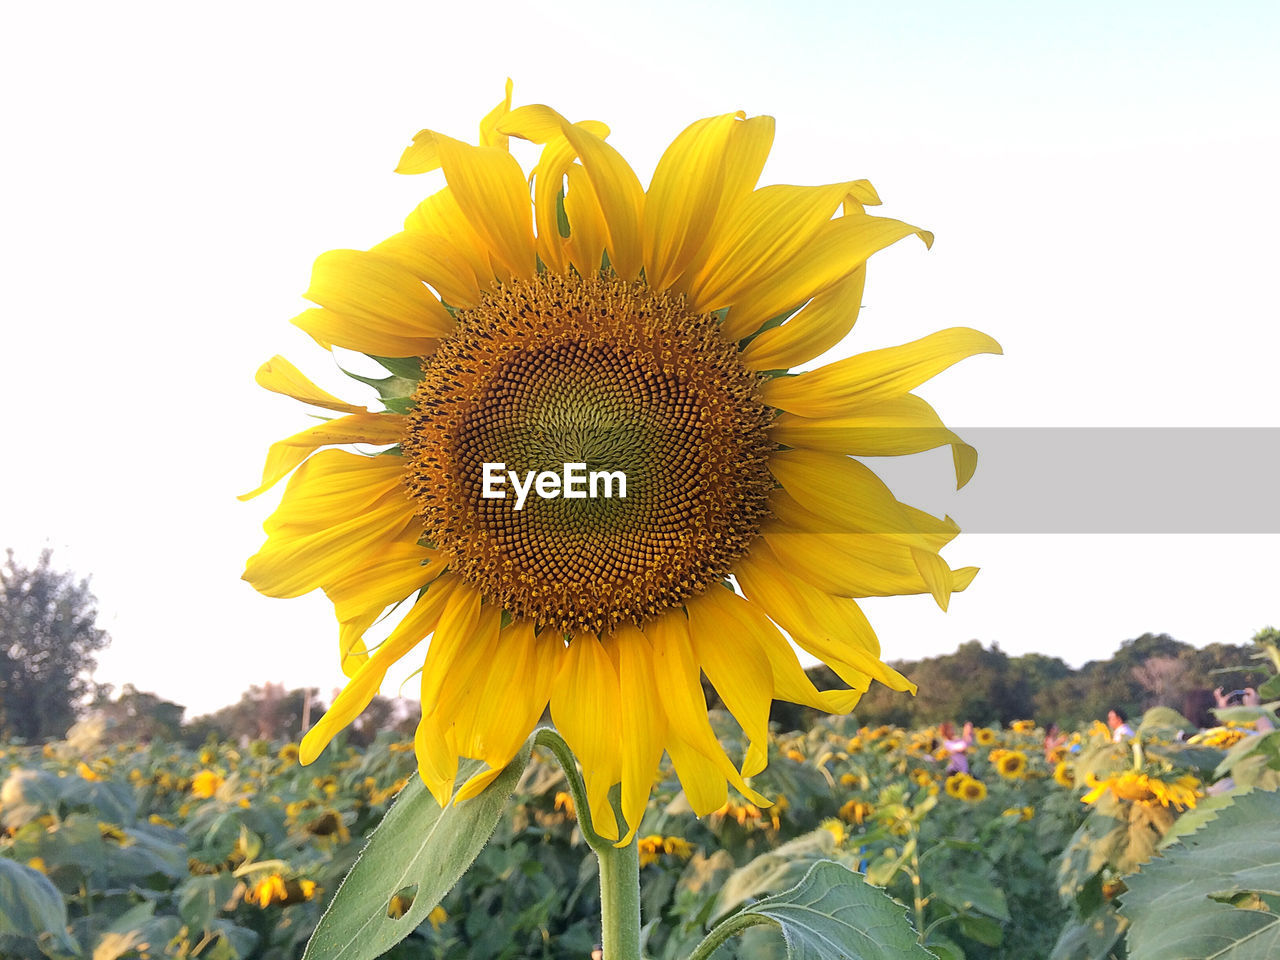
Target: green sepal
<point>409,368</point>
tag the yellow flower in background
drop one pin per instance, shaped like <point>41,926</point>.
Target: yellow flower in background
<point>984,736</point>
<point>1012,764</point>
<point>650,848</point>
<point>835,828</point>
<point>1182,793</point>
<point>564,802</point>
<point>437,917</point>
<point>856,811</point>
<point>270,889</point>
<point>964,786</point>
<point>1063,775</point>
<point>205,784</point>
<point>87,772</point>
<point>1022,726</point>
<point>641,333</point>
<point>677,847</point>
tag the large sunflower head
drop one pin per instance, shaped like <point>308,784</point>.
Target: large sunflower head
<point>597,480</point>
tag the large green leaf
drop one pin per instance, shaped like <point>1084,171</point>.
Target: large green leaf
<point>775,870</point>
<point>30,905</point>
<point>833,914</point>
<point>416,843</point>
<point>1216,895</point>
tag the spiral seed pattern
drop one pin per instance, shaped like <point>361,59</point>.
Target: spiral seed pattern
<point>609,373</point>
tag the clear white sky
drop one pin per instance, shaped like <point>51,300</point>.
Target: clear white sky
<point>1101,180</point>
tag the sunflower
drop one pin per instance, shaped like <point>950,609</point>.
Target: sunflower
<point>628,349</point>
<point>1140,788</point>
<point>973,791</point>
<point>1011,764</point>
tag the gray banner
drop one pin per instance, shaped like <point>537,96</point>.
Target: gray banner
<point>1105,480</point>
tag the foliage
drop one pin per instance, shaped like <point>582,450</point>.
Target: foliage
<point>231,852</point>
<point>988,686</point>
<point>1215,893</point>
<point>48,638</point>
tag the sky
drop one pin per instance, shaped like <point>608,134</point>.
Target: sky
<point>1101,182</point>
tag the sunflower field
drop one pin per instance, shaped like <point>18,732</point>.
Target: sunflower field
<point>231,852</point>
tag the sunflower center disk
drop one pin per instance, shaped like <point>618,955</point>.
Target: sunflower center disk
<point>610,374</point>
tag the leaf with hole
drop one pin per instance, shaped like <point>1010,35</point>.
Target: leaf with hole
<point>417,846</point>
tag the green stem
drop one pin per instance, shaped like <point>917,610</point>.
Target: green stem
<point>620,900</point>
<point>619,866</point>
<point>723,931</point>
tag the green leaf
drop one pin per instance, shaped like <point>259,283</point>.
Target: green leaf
<point>1271,689</point>
<point>1090,938</point>
<point>201,898</point>
<point>30,905</point>
<point>773,871</point>
<point>832,914</point>
<point>983,929</point>
<point>416,845</point>
<point>1176,904</point>
<point>971,892</point>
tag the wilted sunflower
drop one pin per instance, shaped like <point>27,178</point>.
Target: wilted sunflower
<point>641,334</point>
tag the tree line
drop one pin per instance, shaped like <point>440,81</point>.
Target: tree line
<point>49,638</point>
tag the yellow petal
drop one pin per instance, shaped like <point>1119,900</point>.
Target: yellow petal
<point>684,197</point>
<point>497,718</point>
<point>436,261</point>
<point>643,726</point>
<point>831,628</point>
<point>442,221</point>
<point>878,375</point>
<point>453,635</point>
<point>337,511</point>
<point>379,293</point>
<point>588,233</point>
<point>835,249</point>
<point>586,710</point>
<point>489,135</point>
<point>818,327</point>
<point>334,486</point>
<point>676,673</point>
<point>284,455</point>
<point>738,670</point>
<point>491,191</point>
<point>890,428</point>
<point>789,681</point>
<point>619,195</point>
<point>280,376</point>
<point>331,329</point>
<point>768,228</point>
<point>400,569</point>
<point>743,159</point>
<point>702,779</point>
<point>437,759</point>
<point>362,688</point>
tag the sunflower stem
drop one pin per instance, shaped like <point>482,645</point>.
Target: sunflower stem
<point>620,900</point>
<point>619,866</point>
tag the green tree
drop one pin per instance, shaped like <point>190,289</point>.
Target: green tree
<point>48,638</point>
<point>136,715</point>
